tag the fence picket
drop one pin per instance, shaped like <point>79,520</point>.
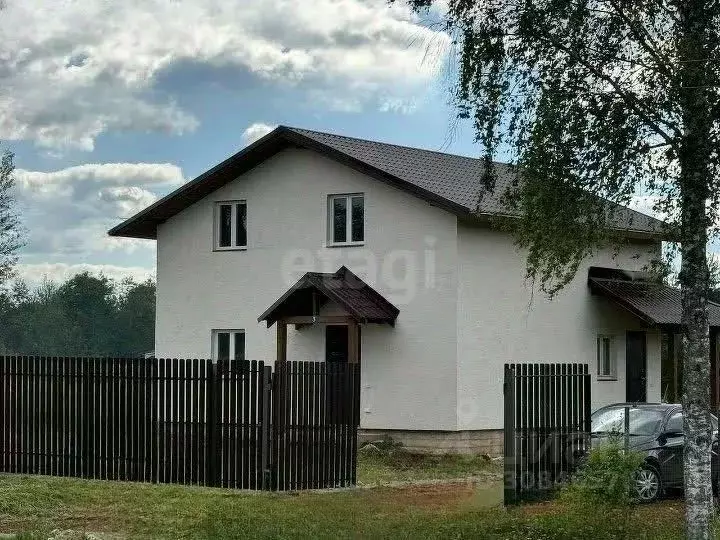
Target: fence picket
<point>256,385</point>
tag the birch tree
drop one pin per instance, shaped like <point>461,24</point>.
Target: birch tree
<point>10,229</point>
<point>613,98</point>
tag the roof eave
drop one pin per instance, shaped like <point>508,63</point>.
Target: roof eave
<point>637,234</point>
<point>597,287</point>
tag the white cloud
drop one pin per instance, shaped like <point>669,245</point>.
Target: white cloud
<point>93,66</point>
<point>256,131</point>
<point>34,274</point>
<point>68,212</point>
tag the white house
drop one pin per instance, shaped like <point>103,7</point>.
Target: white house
<point>318,247</point>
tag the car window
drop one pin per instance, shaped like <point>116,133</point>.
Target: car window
<point>675,424</point>
<point>677,418</point>
<point>612,420</point>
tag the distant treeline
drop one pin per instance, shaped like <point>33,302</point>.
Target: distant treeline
<point>84,316</point>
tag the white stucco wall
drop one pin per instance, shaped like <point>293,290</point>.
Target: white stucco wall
<point>410,256</point>
<point>502,320</point>
<point>465,309</point>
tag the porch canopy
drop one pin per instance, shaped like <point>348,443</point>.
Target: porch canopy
<point>654,303</point>
<point>301,304</point>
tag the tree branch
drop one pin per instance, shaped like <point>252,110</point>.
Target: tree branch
<point>628,98</point>
<point>645,40</point>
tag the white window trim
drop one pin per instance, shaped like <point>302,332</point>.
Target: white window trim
<point>232,332</point>
<point>348,220</point>
<point>233,226</point>
<point>613,358</point>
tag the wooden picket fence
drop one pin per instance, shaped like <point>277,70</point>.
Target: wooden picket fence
<point>547,427</point>
<point>232,424</point>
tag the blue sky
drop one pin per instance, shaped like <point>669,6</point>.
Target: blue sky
<point>109,106</point>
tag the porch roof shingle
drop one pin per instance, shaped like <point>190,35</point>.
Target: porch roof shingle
<point>654,303</point>
<point>351,293</point>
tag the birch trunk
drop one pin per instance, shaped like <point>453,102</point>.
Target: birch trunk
<point>695,155</point>
<point>696,392</point>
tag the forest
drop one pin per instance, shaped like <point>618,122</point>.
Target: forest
<point>86,315</point>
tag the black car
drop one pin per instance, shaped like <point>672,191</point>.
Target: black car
<point>656,430</point>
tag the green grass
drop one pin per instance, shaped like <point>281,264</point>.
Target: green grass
<point>457,510</point>
<point>401,466</point>
<point>460,509</point>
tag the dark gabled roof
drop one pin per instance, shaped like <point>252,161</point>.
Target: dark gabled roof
<point>356,297</point>
<point>448,181</point>
<point>654,303</point>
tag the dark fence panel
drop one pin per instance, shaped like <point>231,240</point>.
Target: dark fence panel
<point>547,426</point>
<point>232,424</point>
<point>315,420</point>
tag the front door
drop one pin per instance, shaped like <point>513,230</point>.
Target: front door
<point>336,343</point>
<point>635,367</point>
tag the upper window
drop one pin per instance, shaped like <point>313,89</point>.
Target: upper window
<point>231,225</point>
<point>346,219</point>
<point>228,344</point>
<point>606,364</point>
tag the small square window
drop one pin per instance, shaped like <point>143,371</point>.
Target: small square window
<point>346,219</point>
<point>228,344</point>
<point>230,225</point>
<point>606,361</point>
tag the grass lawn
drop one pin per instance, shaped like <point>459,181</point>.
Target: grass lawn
<point>382,469</point>
<point>461,509</point>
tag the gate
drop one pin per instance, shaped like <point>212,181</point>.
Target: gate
<point>547,426</point>
<point>230,424</point>
<point>315,419</point>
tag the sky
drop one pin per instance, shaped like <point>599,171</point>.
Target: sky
<point>110,105</point>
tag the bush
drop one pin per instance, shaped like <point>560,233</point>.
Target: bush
<point>606,477</point>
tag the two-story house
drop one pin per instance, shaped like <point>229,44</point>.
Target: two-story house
<point>316,247</point>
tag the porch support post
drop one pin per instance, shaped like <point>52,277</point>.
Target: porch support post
<point>353,341</point>
<point>281,340</point>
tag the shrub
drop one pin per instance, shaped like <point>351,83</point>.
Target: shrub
<point>606,476</point>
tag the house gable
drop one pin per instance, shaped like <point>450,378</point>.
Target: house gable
<point>144,224</point>
<point>447,181</point>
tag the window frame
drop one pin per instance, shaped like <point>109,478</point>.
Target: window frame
<point>348,197</point>
<point>612,357</point>
<point>217,213</point>
<point>214,343</point>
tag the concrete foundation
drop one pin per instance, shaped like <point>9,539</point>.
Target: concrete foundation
<point>484,441</point>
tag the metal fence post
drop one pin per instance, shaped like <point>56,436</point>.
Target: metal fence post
<point>627,428</point>
<point>510,480</point>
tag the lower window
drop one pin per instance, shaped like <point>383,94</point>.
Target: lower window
<point>228,344</point>
<point>606,363</point>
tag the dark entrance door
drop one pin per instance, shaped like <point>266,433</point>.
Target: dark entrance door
<point>636,367</point>
<point>336,343</point>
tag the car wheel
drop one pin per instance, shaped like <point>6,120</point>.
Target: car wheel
<point>648,485</point>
